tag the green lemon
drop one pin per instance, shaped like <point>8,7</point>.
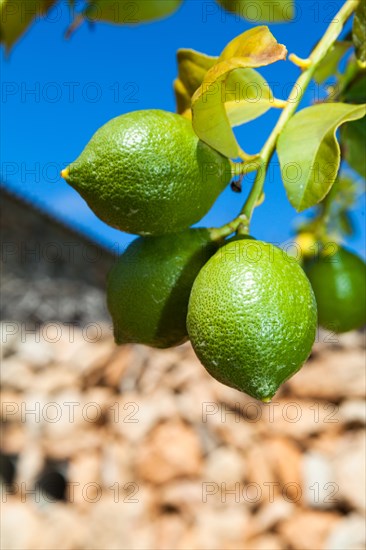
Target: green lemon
<point>252,317</point>
<point>339,283</point>
<point>127,12</point>
<point>148,288</point>
<point>147,173</point>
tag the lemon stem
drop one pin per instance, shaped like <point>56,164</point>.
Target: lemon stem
<point>219,233</point>
<point>296,95</point>
<point>278,103</point>
<point>244,168</point>
<point>245,156</point>
<point>299,62</point>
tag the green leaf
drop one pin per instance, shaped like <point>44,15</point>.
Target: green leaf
<point>329,65</point>
<point>261,10</point>
<point>353,134</point>
<point>353,141</point>
<point>355,91</point>
<point>359,33</point>
<point>192,67</point>
<point>232,92</point>
<point>17,15</point>
<point>309,152</point>
<point>129,12</point>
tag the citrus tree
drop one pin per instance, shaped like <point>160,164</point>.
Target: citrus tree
<point>249,309</point>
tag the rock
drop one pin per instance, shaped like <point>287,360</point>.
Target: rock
<point>84,477</point>
<point>184,374</point>
<point>300,418</point>
<point>118,525</point>
<point>9,334</point>
<point>61,523</point>
<point>193,404</point>
<point>353,411</point>
<point>349,471</point>
<point>285,459</point>
<point>308,530</point>
<point>261,484</point>
<point>343,374</point>
<point>68,346</point>
<point>55,378</point>
<point>78,440</point>
<point>348,533</point>
<point>29,466</point>
<point>92,356</point>
<point>35,350</point>
<point>224,465</point>
<point>318,481</point>
<point>171,450</point>
<point>11,406</point>
<point>134,414</point>
<point>16,374</point>
<point>116,462</point>
<point>264,542</point>
<point>228,425</point>
<point>160,362</point>
<point>271,514</point>
<point>169,528</point>
<point>14,439</point>
<point>13,515</point>
<point>119,362</point>
<point>352,340</point>
<point>222,526</point>
<point>64,413</point>
<point>182,494</point>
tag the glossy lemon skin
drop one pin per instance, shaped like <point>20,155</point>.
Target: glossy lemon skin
<point>147,173</point>
<point>149,286</point>
<point>252,317</point>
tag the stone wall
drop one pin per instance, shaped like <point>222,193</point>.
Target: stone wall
<point>49,271</point>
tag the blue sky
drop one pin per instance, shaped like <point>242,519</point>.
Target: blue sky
<point>57,93</point>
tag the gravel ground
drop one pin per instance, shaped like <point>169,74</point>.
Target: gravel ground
<point>134,448</point>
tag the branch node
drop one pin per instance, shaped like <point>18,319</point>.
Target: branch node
<point>299,62</point>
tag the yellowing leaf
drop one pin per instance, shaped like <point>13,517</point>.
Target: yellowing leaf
<point>250,89</point>
<point>17,15</point>
<point>309,152</point>
<point>232,92</point>
<point>256,47</point>
<point>261,10</point>
<point>192,67</point>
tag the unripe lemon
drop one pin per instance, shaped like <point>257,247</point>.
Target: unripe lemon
<point>148,288</point>
<point>147,173</point>
<point>252,317</point>
<point>339,283</point>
